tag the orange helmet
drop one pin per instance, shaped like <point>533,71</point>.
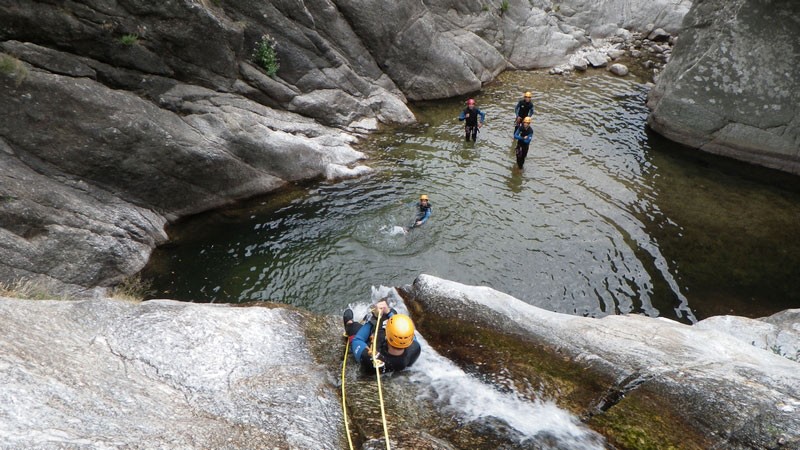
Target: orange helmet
<point>400,331</point>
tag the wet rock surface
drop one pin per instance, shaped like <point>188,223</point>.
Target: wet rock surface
<point>164,374</point>
<point>652,380</point>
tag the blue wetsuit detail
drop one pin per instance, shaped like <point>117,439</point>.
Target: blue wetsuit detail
<point>423,214</point>
<point>361,341</point>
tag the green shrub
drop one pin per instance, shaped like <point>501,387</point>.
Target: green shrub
<point>264,55</point>
<point>12,67</point>
<point>503,6</point>
<point>129,39</point>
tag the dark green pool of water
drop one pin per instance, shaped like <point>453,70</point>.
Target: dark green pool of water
<point>605,218</point>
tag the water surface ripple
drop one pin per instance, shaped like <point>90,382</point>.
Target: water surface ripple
<point>600,221</point>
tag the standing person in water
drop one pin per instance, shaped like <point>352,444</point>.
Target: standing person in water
<point>523,136</point>
<point>523,109</point>
<point>423,211</point>
<point>471,114</point>
<point>397,347</point>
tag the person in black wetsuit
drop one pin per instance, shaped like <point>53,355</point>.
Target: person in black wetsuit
<point>523,109</point>
<point>523,136</point>
<point>471,115</point>
<point>397,346</point>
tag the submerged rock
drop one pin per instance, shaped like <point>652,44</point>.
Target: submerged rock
<point>618,69</point>
<point>635,379</point>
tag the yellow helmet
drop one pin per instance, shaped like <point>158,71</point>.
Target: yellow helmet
<point>400,331</point>
<point>528,94</point>
<point>526,120</point>
<point>423,197</point>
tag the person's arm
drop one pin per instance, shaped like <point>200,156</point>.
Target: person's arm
<point>516,133</point>
<point>462,116</point>
<point>425,216</point>
<point>529,137</point>
<point>530,112</point>
<point>517,108</point>
<point>482,116</point>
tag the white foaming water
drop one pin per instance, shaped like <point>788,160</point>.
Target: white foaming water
<point>473,400</point>
<point>393,230</point>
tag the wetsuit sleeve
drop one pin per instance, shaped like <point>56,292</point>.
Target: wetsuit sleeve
<point>425,216</point>
<point>462,116</point>
<point>516,134</point>
<point>530,111</point>
<point>482,115</point>
<point>360,341</point>
<point>529,137</point>
<point>516,108</point>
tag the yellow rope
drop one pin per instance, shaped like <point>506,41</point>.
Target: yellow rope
<point>378,373</point>
<point>344,399</point>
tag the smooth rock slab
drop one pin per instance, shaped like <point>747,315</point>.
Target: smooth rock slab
<point>162,374</point>
<point>725,389</point>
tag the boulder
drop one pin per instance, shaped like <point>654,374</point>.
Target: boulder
<point>778,333</point>
<point>658,35</point>
<point>597,59</point>
<point>634,15</point>
<point>667,383</point>
<point>161,374</point>
<point>618,69</point>
<point>731,89</point>
<point>93,174</point>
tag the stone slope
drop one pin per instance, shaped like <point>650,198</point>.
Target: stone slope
<point>162,374</point>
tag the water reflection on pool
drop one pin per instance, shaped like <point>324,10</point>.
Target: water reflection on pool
<point>604,219</point>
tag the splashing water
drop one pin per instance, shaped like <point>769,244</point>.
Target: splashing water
<point>452,389</point>
<point>393,230</point>
<point>474,400</point>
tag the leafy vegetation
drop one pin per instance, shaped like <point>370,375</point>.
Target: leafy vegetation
<point>129,39</point>
<point>265,56</point>
<point>504,6</point>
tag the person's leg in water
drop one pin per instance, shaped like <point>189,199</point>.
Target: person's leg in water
<point>474,134</point>
<point>467,131</point>
<point>522,153</point>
